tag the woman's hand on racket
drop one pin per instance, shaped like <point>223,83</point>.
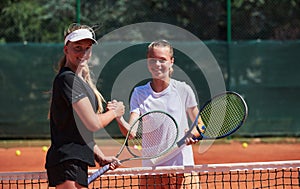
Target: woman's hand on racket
<point>194,135</point>
<point>114,165</point>
<point>111,160</point>
<point>191,140</point>
<point>102,160</point>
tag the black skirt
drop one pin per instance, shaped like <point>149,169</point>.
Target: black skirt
<point>73,170</point>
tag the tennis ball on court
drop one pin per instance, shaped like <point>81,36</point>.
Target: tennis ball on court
<point>138,147</point>
<point>45,148</point>
<point>245,144</point>
<point>18,152</point>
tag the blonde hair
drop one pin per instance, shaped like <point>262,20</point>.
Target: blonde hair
<point>162,43</point>
<point>86,75</point>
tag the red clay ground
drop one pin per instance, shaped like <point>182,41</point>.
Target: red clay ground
<point>33,158</point>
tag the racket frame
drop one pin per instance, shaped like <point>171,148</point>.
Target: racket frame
<point>105,168</point>
<point>181,142</point>
<point>203,136</point>
<point>125,144</point>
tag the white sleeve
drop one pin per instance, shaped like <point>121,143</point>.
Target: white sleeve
<point>134,105</point>
<point>190,97</point>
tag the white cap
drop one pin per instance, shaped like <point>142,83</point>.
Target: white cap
<point>80,34</point>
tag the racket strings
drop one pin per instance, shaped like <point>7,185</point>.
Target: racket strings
<point>155,134</point>
<point>222,115</point>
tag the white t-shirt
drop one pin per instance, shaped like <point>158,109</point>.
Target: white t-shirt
<point>175,100</point>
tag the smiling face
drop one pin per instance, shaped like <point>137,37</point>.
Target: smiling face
<point>160,61</point>
<point>78,53</point>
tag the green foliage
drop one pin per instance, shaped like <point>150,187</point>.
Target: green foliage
<point>274,19</point>
<point>46,20</point>
<point>23,20</point>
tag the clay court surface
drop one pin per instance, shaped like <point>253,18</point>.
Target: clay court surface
<point>32,156</point>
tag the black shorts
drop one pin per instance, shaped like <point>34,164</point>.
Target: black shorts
<point>73,170</point>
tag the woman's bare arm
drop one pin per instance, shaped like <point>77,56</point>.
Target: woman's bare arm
<point>94,121</point>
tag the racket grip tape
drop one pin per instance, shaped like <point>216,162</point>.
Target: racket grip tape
<point>200,131</point>
<point>98,173</point>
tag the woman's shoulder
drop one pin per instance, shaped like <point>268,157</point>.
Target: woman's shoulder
<point>65,72</point>
<point>142,87</point>
<point>177,83</point>
<point>182,87</point>
<point>65,77</point>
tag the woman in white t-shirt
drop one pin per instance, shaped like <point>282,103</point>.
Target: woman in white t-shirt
<point>166,94</point>
<point>169,95</point>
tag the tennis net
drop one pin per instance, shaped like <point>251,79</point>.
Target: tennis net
<point>278,174</point>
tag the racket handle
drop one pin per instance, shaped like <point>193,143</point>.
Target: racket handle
<point>200,131</point>
<point>197,138</point>
<point>98,173</point>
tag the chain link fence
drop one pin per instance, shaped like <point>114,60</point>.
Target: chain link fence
<point>264,70</point>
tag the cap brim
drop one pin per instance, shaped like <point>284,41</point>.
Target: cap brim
<point>80,34</point>
<point>78,38</point>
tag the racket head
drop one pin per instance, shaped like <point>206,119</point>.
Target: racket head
<point>155,133</point>
<point>223,115</point>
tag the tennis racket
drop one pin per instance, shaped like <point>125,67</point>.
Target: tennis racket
<point>144,138</point>
<point>222,115</point>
